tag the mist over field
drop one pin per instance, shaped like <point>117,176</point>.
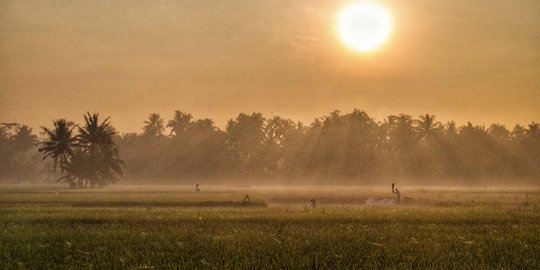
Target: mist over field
<point>345,191</point>
<point>336,149</point>
<point>270,134</point>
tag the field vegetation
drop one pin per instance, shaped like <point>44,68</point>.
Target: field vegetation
<point>164,227</point>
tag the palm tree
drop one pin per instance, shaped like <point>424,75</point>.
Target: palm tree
<point>245,137</point>
<point>401,133</point>
<point>202,126</point>
<point>470,131</point>
<point>77,170</point>
<point>180,122</point>
<point>154,126</point>
<point>451,130</point>
<point>90,157</point>
<point>23,140</point>
<point>427,127</point>
<point>401,121</point>
<point>95,136</point>
<point>59,144</point>
<point>109,165</point>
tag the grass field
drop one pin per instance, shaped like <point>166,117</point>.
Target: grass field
<point>164,227</point>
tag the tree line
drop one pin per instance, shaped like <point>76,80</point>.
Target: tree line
<point>84,155</point>
<point>335,148</point>
<point>338,147</point>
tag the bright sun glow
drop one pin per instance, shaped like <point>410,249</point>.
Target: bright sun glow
<point>364,26</point>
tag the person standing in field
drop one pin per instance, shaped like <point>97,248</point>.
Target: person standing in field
<point>396,191</point>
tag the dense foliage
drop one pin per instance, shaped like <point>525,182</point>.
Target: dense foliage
<point>350,147</point>
<point>18,158</point>
<point>90,158</point>
<point>347,148</point>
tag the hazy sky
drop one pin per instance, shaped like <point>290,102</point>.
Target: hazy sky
<point>475,60</point>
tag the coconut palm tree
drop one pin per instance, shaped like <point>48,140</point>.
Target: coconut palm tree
<point>401,121</point>
<point>88,158</point>
<point>95,137</point>
<point>427,127</point>
<point>401,132</point>
<point>23,140</point>
<point>450,129</point>
<point>109,165</point>
<point>154,126</point>
<point>180,123</point>
<point>202,126</point>
<point>469,131</point>
<point>77,170</point>
<point>93,133</point>
<point>59,144</point>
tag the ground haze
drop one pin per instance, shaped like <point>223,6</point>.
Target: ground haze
<point>277,134</point>
<point>170,227</point>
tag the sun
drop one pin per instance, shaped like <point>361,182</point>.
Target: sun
<point>364,26</point>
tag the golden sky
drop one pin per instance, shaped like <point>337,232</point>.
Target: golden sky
<point>476,60</point>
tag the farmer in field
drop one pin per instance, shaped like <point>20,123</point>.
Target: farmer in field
<point>197,189</point>
<point>396,191</point>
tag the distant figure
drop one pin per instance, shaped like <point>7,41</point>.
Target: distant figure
<point>197,189</point>
<point>313,203</point>
<point>398,196</point>
<point>246,199</point>
<point>396,191</point>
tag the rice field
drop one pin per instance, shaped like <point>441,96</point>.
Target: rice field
<point>177,228</point>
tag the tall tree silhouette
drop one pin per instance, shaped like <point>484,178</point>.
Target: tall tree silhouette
<point>450,129</point>
<point>153,126</point>
<point>59,144</point>
<point>95,136</point>
<point>533,143</point>
<point>246,137</point>
<point>402,139</point>
<point>4,151</point>
<point>278,137</point>
<point>23,140</point>
<point>180,123</point>
<point>402,134</point>
<point>90,158</point>
<point>352,147</point>
<point>427,127</point>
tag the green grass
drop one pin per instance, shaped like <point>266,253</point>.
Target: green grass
<point>41,228</point>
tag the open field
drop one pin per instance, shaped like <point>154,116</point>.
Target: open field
<point>164,227</point>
